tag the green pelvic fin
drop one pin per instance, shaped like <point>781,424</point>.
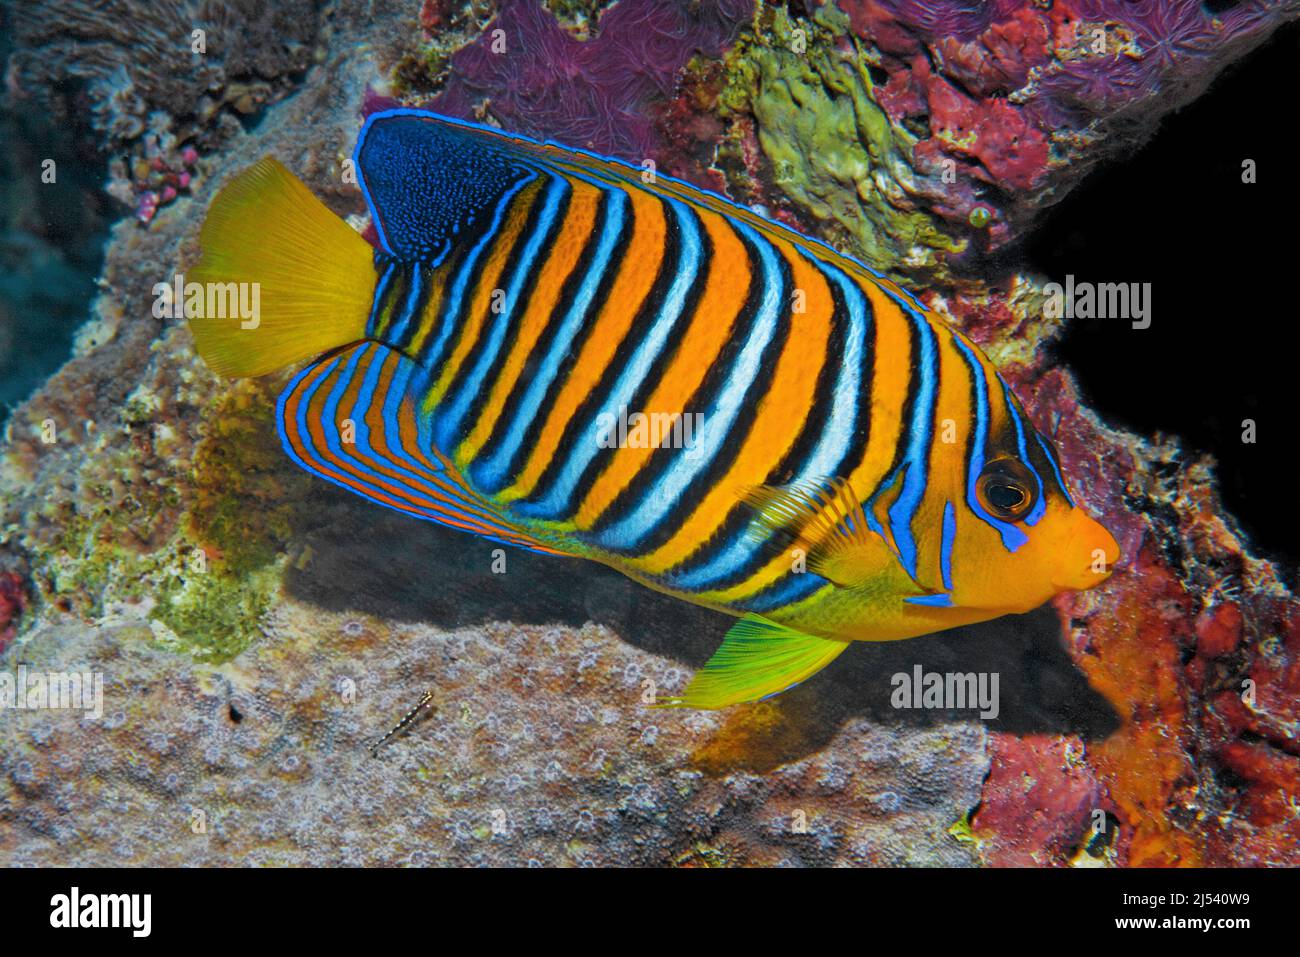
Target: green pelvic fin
<point>757,659</point>
<point>827,521</point>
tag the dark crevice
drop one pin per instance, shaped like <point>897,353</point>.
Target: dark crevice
<point>52,243</point>
<point>1219,350</point>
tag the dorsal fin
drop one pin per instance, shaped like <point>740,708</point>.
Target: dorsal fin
<point>432,182</point>
<point>351,419</point>
<point>426,176</point>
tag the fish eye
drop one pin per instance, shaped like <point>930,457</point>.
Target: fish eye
<point>1006,490</point>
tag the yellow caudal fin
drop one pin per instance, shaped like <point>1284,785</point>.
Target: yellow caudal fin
<point>303,279</point>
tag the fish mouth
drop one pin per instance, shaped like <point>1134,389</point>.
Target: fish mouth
<point>1091,552</point>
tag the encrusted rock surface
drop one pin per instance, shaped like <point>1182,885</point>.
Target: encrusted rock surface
<point>537,748</point>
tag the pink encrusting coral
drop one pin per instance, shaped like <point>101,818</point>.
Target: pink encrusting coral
<point>155,178</point>
<point>13,602</point>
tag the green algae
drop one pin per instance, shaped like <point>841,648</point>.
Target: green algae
<point>215,616</point>
<point>962,830</point>
<point>703,854</point>
<point>248,505</point>
<point>832,149</point>
<point>201,555</point>
<point>420,72</point>
<point>577,16</point>
<point>248,498</point>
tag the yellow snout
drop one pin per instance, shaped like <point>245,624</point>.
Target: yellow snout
<point>1089,556</point>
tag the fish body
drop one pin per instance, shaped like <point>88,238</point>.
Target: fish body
<point>561,352</point>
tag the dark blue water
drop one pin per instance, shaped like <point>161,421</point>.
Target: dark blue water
<point>52,238</point>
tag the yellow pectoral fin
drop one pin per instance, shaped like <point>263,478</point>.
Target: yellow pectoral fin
<point>827,521</point>
<point>757,659</point>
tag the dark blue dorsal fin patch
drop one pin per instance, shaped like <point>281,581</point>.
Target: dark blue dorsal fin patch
<point>430,183</point>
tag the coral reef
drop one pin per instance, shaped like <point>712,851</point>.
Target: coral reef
<point>258,630</point>
<point>528,73</point>
<point>928,135</point>
<point>202,62</point>
<point>267,760</point>
<point>157,82</point>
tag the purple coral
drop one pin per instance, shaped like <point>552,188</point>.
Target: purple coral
<point>933,20</point>
<point>543,81</point>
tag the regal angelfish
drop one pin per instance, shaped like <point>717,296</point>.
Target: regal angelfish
<point>532,309</point>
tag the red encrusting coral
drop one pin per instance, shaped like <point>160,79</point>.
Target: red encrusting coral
<point>13,602</point>
<point>1038,803</point>
<point>1016,98</point>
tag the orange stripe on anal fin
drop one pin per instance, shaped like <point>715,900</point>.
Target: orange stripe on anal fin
<point>435,495</point>
<point>319,457</point>
<point>434,484</point>
<point>491,521</point>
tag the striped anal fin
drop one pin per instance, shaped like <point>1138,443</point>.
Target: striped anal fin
<point>350,419</point>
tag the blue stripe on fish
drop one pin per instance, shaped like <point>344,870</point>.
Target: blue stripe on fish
<point>833,445</point>
<point>1012,537</point>
<point>490,471</point>
<point>452,410</point>
<point>451,310</point>
<point>945,547</point>
<point>1056,468</point>
<point>1040,502</point>
<point>664,494</point>
<point>784,591</point>
<point>557,499</point>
